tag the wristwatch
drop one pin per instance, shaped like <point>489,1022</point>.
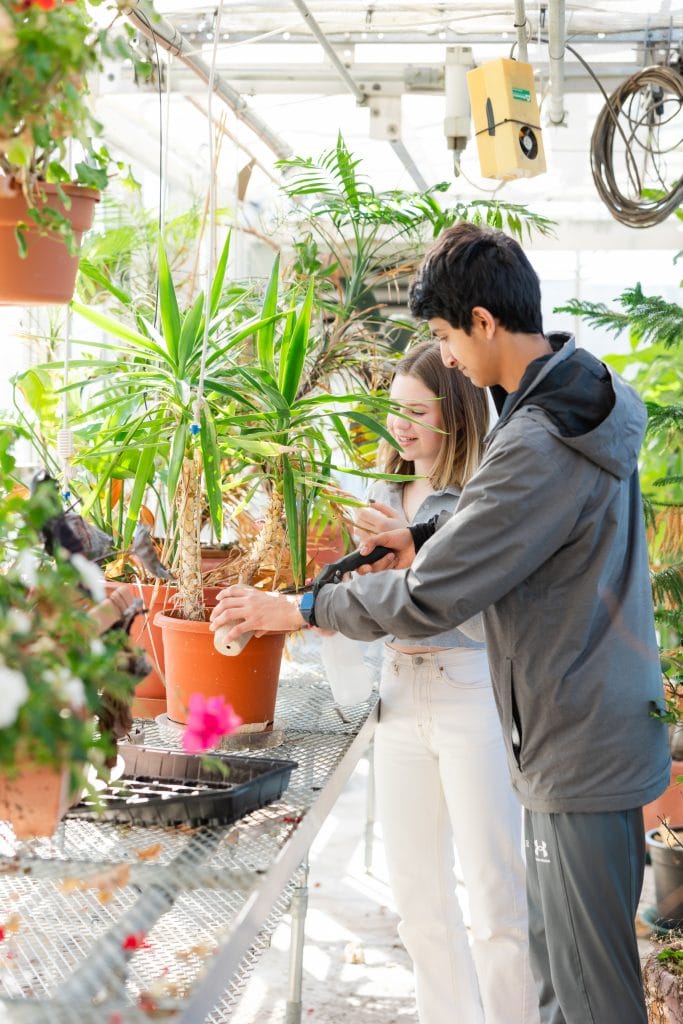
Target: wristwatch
<point>306,606</point>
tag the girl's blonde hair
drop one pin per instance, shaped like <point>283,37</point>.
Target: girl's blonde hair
<point>465,415</point>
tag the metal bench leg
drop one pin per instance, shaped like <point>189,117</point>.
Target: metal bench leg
<point>298,908</point>
<point>370,808</point>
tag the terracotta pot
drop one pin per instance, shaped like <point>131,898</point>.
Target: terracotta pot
<point>48,272</point>
<point>669,805</point>
<point>150,693</point>
<point>193,665</point>
<point>215,559</point>
<point>35,800</point>
<point>326,545</point>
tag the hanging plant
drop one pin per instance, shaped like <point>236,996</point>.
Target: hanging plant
<point>48,48</point>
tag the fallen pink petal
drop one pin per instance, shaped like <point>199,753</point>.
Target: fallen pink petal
<point>134,941</point>
<point>209,718</point>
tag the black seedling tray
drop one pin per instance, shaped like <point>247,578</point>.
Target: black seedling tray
<point>160,787</point>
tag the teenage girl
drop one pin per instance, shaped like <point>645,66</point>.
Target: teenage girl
<point>443,790</point>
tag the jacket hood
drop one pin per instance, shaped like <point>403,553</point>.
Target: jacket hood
<point>590,408</point>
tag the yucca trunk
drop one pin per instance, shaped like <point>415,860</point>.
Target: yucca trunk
<point>190,589</point>
<point>270,544</point>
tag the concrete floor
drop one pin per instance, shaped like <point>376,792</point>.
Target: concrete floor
<point>355,968</point>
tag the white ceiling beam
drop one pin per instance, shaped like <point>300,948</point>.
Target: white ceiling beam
<point>356,90</point>
<point>373,79</point>
<point>330,52</point>
<point>170,39</point>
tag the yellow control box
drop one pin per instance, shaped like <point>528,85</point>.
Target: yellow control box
<point>506,119</point>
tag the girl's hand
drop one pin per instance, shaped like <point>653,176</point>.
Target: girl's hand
<point>257,611</point>
<point>375,518</point>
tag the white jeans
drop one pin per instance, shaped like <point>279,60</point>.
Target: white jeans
<point>443,785</point>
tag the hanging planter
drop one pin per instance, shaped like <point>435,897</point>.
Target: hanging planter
<point>193,665</point>
<point>47,271</point>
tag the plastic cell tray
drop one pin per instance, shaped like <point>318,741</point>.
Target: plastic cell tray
<point>161,787</point>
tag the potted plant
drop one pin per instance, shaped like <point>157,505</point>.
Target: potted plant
<point>63,680</point>
<point>48,48</point>
<point>286,439</point>
<point>133,421</point>
<point>142,434</point>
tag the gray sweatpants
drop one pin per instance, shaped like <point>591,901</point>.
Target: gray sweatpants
<point>584,877</point>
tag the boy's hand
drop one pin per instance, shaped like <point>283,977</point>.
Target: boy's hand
<point>255,611</point>
<point>400,541</point>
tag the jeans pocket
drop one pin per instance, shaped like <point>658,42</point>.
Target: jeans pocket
<point>465,671</point>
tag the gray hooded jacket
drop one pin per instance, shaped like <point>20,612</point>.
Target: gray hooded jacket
<point>548,541</point>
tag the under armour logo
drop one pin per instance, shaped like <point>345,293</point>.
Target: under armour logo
<point>541,851</point>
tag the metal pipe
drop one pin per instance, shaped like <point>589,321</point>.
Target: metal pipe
<point>330,51</point>
<point>399,147</point>
<point>556,40</point>
<point>521,26</point>
<point>168,37</point>
<point>406,159</point>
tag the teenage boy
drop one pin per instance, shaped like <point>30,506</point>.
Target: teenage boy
<point>548,542</point>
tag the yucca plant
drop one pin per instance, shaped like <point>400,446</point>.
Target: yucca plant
<point>302,431</point>
<point>134,418</point>
<point>134,414</point>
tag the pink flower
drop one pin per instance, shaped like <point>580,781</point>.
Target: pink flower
<point>208,719</point>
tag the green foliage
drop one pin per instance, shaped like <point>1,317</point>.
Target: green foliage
<point>359,242</point>
<point>292,431</point>
<point>53,665</point>
<point>47,50</point>
<point>654,366</point>
<point>671,957</point>
<point>648,318</point>
<point>131,402</point>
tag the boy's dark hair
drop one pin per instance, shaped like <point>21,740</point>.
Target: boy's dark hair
<point>470,266</point>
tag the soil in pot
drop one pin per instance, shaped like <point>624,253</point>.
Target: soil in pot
<point>193,665</point>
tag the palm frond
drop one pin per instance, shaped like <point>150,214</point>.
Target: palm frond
<point>667,586</point>
<point>672,618</point>
<point>649,318</point>
<point>664,418</point>
<point>597,314</point>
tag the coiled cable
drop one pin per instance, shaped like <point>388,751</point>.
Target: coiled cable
<point>660,86</point>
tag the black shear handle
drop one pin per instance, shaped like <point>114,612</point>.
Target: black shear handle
<point>333,572</point>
